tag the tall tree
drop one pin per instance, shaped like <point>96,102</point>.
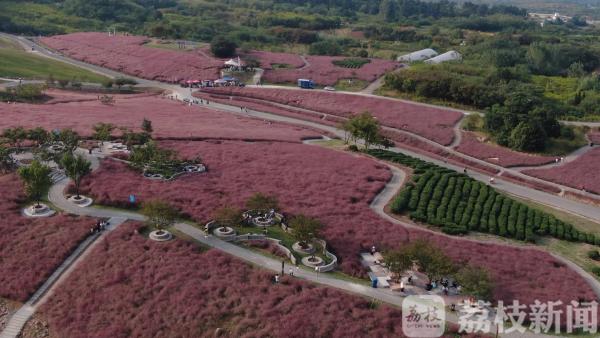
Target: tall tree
<point>37,180</point>
<point>389,10</point>
<point>6,161</point>
<point>76,168</point>
<point>476,282</point>
<point>305,229</point>
<point>147,126</point>
<point>103,131</point>
<point>228,217</point>
<point>159,214</point>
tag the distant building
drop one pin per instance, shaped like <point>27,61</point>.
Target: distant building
<point>448,56</point>
<point>419,55</point>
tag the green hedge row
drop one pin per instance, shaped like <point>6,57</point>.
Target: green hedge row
<point>459,204</point>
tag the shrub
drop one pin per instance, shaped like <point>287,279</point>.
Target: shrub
<point>594,254</point>
<point>354,63</point>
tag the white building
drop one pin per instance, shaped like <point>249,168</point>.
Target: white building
<point>419,55</point>
<point>448,56</point>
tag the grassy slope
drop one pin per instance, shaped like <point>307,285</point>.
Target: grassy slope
<point>19,63</point>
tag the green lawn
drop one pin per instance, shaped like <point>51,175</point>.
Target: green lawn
<point>19,63</point>
<point>353,85</point>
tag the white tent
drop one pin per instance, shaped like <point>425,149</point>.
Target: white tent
<point>419,55</point>
<point>448,56</point>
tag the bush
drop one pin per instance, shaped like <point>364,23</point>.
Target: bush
<point>222,47</point>
<point>594,254</point>
<point>353,63</point>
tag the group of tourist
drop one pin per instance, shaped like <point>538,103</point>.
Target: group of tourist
<point>99,227</point>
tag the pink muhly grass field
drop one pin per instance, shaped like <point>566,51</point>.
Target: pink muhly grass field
<point>336,188</point>
<point>322,71</point>
<point>128,55</point>
<point>30,249</point>
<point>504,157</point>
<point>130,286</point>
<point>433,123</point>
<point>581,173</point>
<point>170,119</point>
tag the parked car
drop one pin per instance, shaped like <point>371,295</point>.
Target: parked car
<point>329,89</point>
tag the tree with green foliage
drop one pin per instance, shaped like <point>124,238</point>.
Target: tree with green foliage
<point>159,214</point>
<point>364,127</point>
<point>223,47</point>
<point>103,131</point>
<point>389,10</point>
<point>325,47</point>
<point>305,229</point>
<point>147,126</point>
<point>69,138</point>
<point>228,217</point>
<point>475,281</point>
<point>528,136</point>
<point>76,167</point>
<point>6,161</point>
<point>124,81</point>
<point>262,203</point>
<point>15,136</point>
<point>430,259</point>
<point>38,135</point>
<point>36,178</point>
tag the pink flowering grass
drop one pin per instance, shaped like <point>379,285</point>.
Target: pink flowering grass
<point>31,249</point>
<point>170,119</point>
<point>336,188</point>
<point>132,287</point>
<point>581,173</point>
<point>504,157</point>
<point>322,71</point>
<point>433,123</point>
<point>128,55</point>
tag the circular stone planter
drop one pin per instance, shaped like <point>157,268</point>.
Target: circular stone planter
<point>262,221</point>
<point>38,210</point>
<point>160,235</point>
<point>56,148</point>
<point>81,201</point>
<point>224,231</point>
<point>307,251</point>
<point>154,176</point>
<point>313,261</point>
<point>197,168</point>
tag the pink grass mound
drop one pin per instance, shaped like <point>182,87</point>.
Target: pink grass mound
<point>128,55</point>
<point>581,173</point>
<point>132,287</point>
<point>504,157</point>
<point>30,249</point>
<point>433,123</point>
<point>336,188</point>
<point>169,118</point>
<point>321,70</point>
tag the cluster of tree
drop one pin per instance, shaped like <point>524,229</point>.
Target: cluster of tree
<point>432,261</point>
<point>23,93</point>
<point>393,10</point>
<point>366,129</point>
<point>459,204</point>
<point>36,176</point>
